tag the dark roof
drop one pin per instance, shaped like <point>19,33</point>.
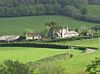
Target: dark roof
<point>32,34</point>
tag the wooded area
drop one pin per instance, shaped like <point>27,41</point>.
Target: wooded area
<point>41,7</point>
<point>73,8</point>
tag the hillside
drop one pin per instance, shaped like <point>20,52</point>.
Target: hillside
<point>17,25</point>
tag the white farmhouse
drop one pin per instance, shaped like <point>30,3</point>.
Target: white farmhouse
<point>29,36</point>
<point>32,36</point>
<point>65,33</point>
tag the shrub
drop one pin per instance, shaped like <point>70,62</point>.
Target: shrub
<point>94,67</point>
<point>14,67</point>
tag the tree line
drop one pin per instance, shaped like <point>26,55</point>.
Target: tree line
<point>94,2</point>
<point>73,8</point>
<point>42,7</point>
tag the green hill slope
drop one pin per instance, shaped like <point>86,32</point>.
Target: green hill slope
<point>17,25</point>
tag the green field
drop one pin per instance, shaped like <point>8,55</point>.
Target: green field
<point>74,65</point>
<point>78,63</point>
<point>94,10</point>
<point>17,25</point>
<point>27,54</point>
<point>83,42</point>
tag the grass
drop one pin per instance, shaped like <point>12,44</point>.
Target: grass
<point>78,63</point>
<point>17,25</point>
<point>94,10</point>
<point>83,42</point>
<point>75,65</point>
<point>27,54</point>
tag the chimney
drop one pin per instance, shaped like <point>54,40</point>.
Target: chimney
<point>67,29</point>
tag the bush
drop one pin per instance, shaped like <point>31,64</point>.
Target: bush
<point>14,67</point>
<point>94,67</point>
<point>45,67</point>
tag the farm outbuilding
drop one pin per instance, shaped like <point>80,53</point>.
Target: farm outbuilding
<point>9,38</point>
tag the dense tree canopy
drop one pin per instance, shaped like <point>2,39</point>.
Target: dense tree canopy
<point>40,7</point>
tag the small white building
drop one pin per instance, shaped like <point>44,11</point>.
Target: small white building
<point>32,36</point>
<point>29,36</point>
<point>37,37</point>
<point>65,33</point>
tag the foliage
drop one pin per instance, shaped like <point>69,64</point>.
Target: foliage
<point>83,30</point>
<point>53,27</point>
<point>94,67</point>
<point>96,27</point>
<point>14,67</point>
<point>73,8</point>
<point>37,7</point>
<point>71,11</point>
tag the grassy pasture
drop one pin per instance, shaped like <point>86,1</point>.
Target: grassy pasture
<point>83,42</point>
<point>94,10</point>
<point>27,54</point>
<point>74,65</point>
<point>78,63</point>
<point>17,25</point>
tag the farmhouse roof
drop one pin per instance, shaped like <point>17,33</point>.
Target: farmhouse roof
<point>32,34</point>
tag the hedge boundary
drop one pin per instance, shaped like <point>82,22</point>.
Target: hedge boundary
<point>45,46</point>
<point>58,57</point>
